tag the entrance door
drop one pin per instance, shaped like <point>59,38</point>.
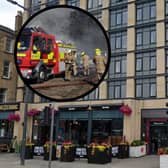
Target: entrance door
<point>158,135</point>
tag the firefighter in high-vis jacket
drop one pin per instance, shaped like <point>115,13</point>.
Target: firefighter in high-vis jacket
<point>100,62</point>
<point>85,63</point>
<point>69,60</point>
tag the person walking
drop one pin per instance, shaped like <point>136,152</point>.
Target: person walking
<point>100,62</point>
<point>68,59</point>
<point>85,63</point>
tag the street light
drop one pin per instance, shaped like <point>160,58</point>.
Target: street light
<point>15,3</point>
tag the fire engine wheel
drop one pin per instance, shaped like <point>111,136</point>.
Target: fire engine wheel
<point>42,75</point>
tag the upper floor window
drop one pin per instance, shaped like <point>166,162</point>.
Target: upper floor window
<point>73,2</point>
<point>94,4</point>
<point>6,69</point>
<point>145,12</point>
<point>94,95</point>
<point>117,67</point>
<point>118,41</point>
<point>98,16</point>
<point>116,2</point>
<point>52,2</point>
<point>9,45</point>
<point>146,88</point>
<point>117,89</point>
<point>3,95</point>
<point>118,17</point>
<point>36,5</point>
<point>145,37</point>
<point>166,7</point>
<point>146,63</point>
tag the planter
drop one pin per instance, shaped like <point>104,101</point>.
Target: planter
<point>67,153</point>
<point>163,161</point>
<point>95,155</point>
<point>123,151</point>
<point>47,151</point>
<point>137,151</point>
<point>29,152</point>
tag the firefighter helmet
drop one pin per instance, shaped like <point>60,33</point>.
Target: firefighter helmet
<point>97,51</point>
<point>82,53</point>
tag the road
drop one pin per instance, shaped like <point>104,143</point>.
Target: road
<point>8,160</point>
<point>57,88</point>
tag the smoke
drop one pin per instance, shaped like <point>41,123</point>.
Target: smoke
<point>72,26</point>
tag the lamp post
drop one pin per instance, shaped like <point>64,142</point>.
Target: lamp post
<point>16,3</point>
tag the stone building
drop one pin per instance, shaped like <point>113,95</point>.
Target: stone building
<point>137,77</point>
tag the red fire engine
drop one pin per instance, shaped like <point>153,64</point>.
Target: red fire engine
<point>38,55</point>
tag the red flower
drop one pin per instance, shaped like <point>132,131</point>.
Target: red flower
<point>13,117</point>
<point>126,109</point>
<point>33,112</point>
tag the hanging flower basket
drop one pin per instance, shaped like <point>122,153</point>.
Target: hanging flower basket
<point>33,112</point>
<point>126,109</point>
<point>13,117</point>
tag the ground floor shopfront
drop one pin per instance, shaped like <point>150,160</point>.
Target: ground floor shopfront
<point>86,121</point>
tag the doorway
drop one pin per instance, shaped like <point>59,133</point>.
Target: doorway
<point>158,135</point>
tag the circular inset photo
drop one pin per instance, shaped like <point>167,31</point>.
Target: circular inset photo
<point>62,53</point>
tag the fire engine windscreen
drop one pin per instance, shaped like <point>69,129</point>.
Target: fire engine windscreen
<point>24,43</point>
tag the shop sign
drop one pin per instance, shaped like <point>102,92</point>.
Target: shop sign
<point>73,108</point>
<point>105,107</point>
<point>9,106</point>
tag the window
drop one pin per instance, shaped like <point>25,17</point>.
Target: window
<point>153,62</point>
<point>146,12</point>
<point>117,67</point>
<point>152,89</point>
<point>6,69</point>
<point>3,95</point>
<point>166,33</point>
<point>153,36</point>
<point>118,41</point>
<point>139,64</point>
<point>118,17</point>
<point>146,37</point>
<point>94,95</point>
<point>98,16</point>
<point>139,90</point>
<point>94,4</point>
<point>146,88</point>
<point>166,59</point>
<point>117,89</point>
<point>166,7</point>
<point>52,2</point>
<point>9,45</point>
<point>36,5</point>
<point>116,2</point>
<point>146,63</point>
<point>73,2</point>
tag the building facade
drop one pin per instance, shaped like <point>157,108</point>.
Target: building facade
<point>8,82</point>
<point>137,77</point>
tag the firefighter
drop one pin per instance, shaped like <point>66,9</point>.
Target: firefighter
<point>68,59</point>
<point>100,62</point>
<point>74,63</point>
<point>85,63</point>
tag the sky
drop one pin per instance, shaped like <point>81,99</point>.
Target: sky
<point>8,12</point>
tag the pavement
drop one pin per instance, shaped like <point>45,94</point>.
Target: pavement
<point>12,160</point>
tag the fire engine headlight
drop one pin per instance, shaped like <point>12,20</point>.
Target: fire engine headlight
<point>26,73</point>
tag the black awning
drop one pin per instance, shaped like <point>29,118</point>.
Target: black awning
<point>106,106</point>
<point>74,108</point>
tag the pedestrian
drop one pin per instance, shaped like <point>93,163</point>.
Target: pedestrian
<point>100,62</point>
<point>85,63</point>
<point>68,59</point>
<point>14,144</point>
